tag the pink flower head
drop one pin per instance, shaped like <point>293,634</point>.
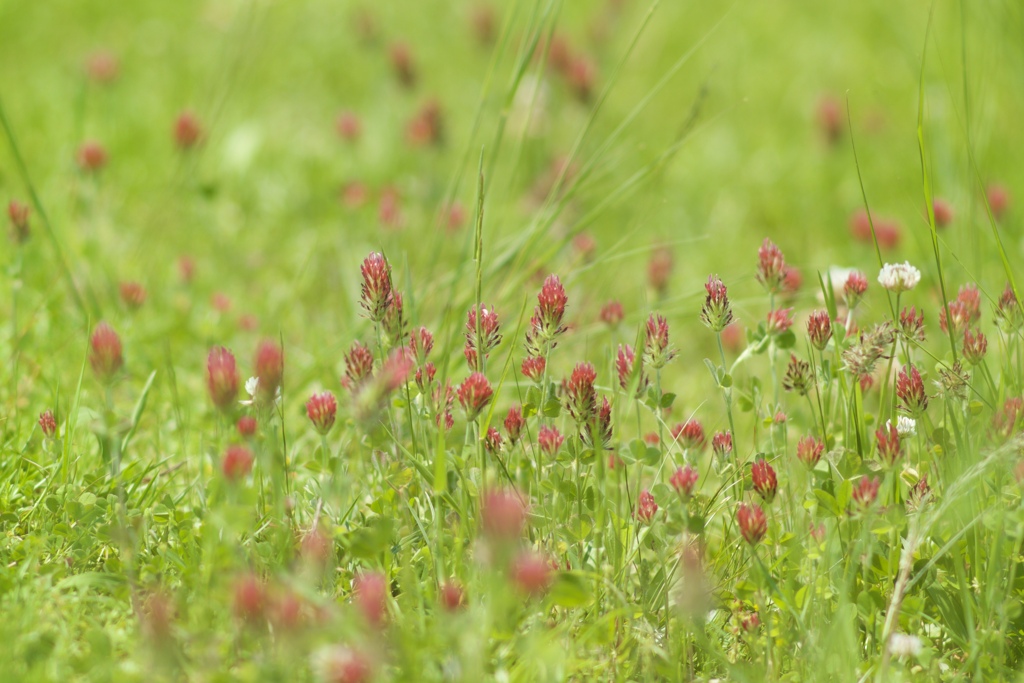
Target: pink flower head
<point>888,439</point>
<point>657,352</point>
<point>546,324</point>
<point>92,157</point>
<point>246,426</point>
<point>819,329</point>
<point>625,364</point>
<point>396,369</point>
<point>474,394</point>
<point>750,622</point>
<point>763,477</point>
<point>689,434</point>
<point>809,450</point>
<point>716,313</point>
<point>721,444</point>
<point>910,391</point>
<point>502,515</point>
<point>684,480</point>
<point>102,67</point>
<point>222,377</point>
<point>853,290</point>
<point>453,596</point>
<point>912,323</point>
<point>269,369</point>
<point>1008,311</point>
<point>421,342</point>
<point>612,314</point>
<point>943,212</point>
<point>105,354</point>
<point>580,394</point>
<point>752,523</point>
<point>370,594</point>
<point>533,368</point>
<point>484,339</point>
<point>659,269</point>
<point>358,366</point>
<point>597,433</point>
<point>187,131</point>
<point>646,507</point>
<point>792,281</point>
<point>402,64</point>
<point>998,199</point>
<point>321,409</point>
<point>866,491</point>
<point>18,213</point>
<point>975,346</point>
<point>549,440</point>
<point>531,574</point>
<point>514,424</point>
<point>493,440</point>
<point>377,290</point>
<point>48,424</point>
<point>250,598</point>
<point>237,463</point>
<point>771,267</point>
<point>348,126</point>
<point>964,311</point>
<point>779,321</point>
<point>133,294</point>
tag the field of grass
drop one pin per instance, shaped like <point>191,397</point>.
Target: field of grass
<point>529,340</point>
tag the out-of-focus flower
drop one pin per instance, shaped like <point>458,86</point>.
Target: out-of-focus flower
<point>771,267</point>
<point>889,447</point>
<point>222,377</point>
<point>549,440</point>
<point>18,213</point>
<point>188,132</point>
<point>752,522</point>
<point>854,288</point>
<point>92,157</point>
<point>809,450</point>
<point>904,646</point>
<point>612,314</point>
<point>370,594</point>
<point>531,573</point>
<point>865,492</point>
<point>321,409</point>
<point>237,463</point>
<point>779,321</point>
<point>105,354</point>
<point>684,480</point>
<point>48,424</point>
<point>269,369</point>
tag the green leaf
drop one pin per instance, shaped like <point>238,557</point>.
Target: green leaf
<point>786,340</point>
<point>570,589</point>
<point>667,400</point>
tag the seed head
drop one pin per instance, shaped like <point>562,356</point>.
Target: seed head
<point>716,313</point>
<point>684,480</point>
<point>752,523</point>
<point>657,352</point>
<point>771,266</point>
<point>809,450</point>
<point>377,291</point>
<point>321,409</point>
<point>474,394</point>
<point>763,477</point>
<point>550,440</point>
<point>819,329</point>
<point>222,377</point>
<point>48,424</point>
<point>798,376</point>
<point>910,391</point>
<point>646,507</point>
<point>105,355</point>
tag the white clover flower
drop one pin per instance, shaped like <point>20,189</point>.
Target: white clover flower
<point>252,386</point>
<point>899,277</point>
<point>903,645</point>
<point>905,426</point>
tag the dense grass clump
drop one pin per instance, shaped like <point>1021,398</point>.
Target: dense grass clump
<point>513,341</point>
